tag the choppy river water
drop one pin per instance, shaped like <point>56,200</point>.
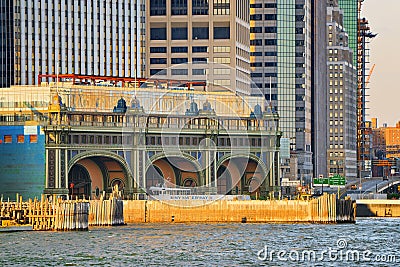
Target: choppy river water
<point>369,242</point>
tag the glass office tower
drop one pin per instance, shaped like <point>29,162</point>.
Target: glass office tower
<point>280,61</point>
<point>350,17</point>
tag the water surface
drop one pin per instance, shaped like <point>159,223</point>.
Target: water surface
<point>205,245</point>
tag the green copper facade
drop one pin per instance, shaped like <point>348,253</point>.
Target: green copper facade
<point>350,24</point>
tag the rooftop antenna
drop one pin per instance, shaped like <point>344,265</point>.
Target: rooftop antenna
<point>135,78</point>
<point>270,90</point>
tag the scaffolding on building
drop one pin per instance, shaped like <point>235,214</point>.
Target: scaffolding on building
<point>364,131</point>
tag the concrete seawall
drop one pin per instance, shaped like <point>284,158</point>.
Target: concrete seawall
<point>321,210</point>
<point>378,208</point>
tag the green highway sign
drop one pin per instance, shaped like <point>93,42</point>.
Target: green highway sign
<point>337,180</point>
<point>321,181</point>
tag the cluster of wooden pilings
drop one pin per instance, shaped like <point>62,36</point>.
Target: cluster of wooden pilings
<point>346,210</point>
<point>106,212</point>
<point>62,215</point>
<point>72,215</point>
<point>13,212</point>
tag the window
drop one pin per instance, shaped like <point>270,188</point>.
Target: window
<point>271,54</point>
<point>199,49</point>
<point>271,29</point>
<point>255,5</point>
<point>179,60</point>
<point>33,138</point>
<point>270,42</point>
<point>178,7</point>
<point>256,54</point>
<point>199,60</point>
<point>222,82</point>
<point>158,61</point>
<point>256,64</point>
<point>256,30</point>
<point>198,72</point>
<point>256,17</point>
<point>273,96</point>
<point>223,71</point>
<point>199,7</point>
<point>221,7</point>
<point>158,50</point>
<point>179,34</point>
<point>222,49</point>
<point>158,7</point>
<point>158,34</point>
<point>200,33</point>
<point>157,71</point>
<point>21,138</point>
<point>7,139</point>
<point>270,5</point>
<point>179,49</point>
<point>179,72</point>
<point>271,64</point>
<point>222,60</point>
<point>221,32</point>
<point>270,17</point>
<point>256,42</point>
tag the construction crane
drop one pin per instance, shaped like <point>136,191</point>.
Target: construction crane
<point>369,74</point>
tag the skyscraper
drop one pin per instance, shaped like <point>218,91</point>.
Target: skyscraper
<point>101,37</point>
<point>350,21</point>
<point>342,117</point>
<point>281,67</point>
<point>319,88</point>
<point>199,32</point>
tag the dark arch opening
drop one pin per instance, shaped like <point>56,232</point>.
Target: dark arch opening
<point>89,176</point>
<point>154,177</point>
<point>173,171</point>
<point>240,175</point>
<point>80,183</point>
<point>224,181</point>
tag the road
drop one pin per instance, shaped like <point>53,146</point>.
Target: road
<point>370,185</point>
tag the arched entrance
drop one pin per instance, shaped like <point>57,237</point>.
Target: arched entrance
<point>240,175</point>
<point>173,171</point>
<point>89,176</point>
<point>79,181</point>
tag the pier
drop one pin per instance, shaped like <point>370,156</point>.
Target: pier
<point>325,209</point>
<point>77,215</point>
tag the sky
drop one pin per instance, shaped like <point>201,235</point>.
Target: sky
<point>384,92</point>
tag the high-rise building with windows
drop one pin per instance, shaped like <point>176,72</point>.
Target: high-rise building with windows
<point>319,88</point>
<point>199,32</point>
<point>342,110</point>
<point>281,66</point>
<point>350,23</point>
<point>101,37</point>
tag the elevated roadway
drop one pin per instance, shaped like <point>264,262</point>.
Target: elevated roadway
<point>369,185</point>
